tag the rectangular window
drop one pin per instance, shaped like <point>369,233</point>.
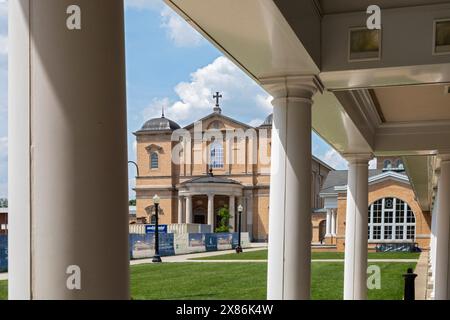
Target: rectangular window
<point>388,217</point>
<point>376,232</point>
<point>387,232</point>
<point>216,156</point>
<point>410,217</point>
<point>399,232</point>
<point>410,232</point>
<point>154,161</point>
<point>400,217</point>
<point>376,216</point>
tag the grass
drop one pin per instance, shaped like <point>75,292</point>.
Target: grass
<point>3,290</point>
<point>232,281</point>
<point>262,255</point>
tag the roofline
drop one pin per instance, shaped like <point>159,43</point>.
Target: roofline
<point>148,132</point>
<point>384,175</point>
<point>324,164</point>
<point>220,115</point>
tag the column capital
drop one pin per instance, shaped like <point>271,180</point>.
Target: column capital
<point>358,158</point>
<point>292,87</point>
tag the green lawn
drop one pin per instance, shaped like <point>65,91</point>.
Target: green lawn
<point>3,290</point>
<point>262,255</point>
<point>231,281</point>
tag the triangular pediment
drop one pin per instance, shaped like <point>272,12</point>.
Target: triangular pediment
<point>220,122</point>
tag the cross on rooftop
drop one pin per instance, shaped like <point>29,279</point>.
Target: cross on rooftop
<point>217,96</point>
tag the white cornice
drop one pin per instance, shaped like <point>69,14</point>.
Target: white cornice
<point>378,178</point>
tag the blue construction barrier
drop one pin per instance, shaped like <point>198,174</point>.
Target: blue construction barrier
<point>143,245</point>
<point>3,253</point>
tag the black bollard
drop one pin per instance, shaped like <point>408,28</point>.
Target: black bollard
<point>410,290</point>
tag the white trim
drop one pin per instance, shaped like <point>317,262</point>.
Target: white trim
<point>378,178</point>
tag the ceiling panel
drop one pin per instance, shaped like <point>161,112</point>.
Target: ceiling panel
<point>414,103</point>
<point>341,6</point>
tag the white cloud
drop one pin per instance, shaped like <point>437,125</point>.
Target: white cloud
<point>256,122</point>
<point>265,101</point>
<point>334,159</point>
<point>144,4</point>
<point>178,30</point>
<point>195,97</point>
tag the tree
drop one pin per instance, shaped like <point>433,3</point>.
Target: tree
<point>3,203</point>
<point>224,219</point>
<point>132,202</point>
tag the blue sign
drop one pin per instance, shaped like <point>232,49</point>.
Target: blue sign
<point>211,242</point>
<point>3,253</point>
<point>150,228</point>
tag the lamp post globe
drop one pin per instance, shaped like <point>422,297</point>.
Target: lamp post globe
<point>240,210</point>
<point>156,257</point>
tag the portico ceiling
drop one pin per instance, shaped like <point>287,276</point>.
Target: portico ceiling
<point>344,6</point>
<point>414,103</point>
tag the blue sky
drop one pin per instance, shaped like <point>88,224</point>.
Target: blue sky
<point>168,65</point>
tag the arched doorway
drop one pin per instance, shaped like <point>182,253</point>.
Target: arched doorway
<point>199,209</point>
<point>322,230</point>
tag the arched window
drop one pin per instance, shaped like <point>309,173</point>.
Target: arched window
<point>154,160</point>
<point>391,219</point>
<point>387,164</point>
<point>400,165</point>
<point>216,155</point>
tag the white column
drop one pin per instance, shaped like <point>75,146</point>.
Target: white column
<point>211,211</point>
<point>289,260</point>
<point>328,224</point>
<point>333,222</point>
<point>232,208</point>
<point>356,228</point>
<point>180,209</point>
<point>189,209</point>
<point>442,274</point>
<point>68,152</point>
<point>434,239</point>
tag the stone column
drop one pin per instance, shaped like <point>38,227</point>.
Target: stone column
<point>180,209</point>
<point>328,224</point>
<point>289,260</point>
<point>211,211</point>
<point>356,228</point>
<point>442,272</point>
<point>68,222</point>
<point>232,208</point>
<point>333,223</point>
<point>188,209</point>
<point>249,215</point>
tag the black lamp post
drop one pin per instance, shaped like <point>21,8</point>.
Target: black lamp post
<point>157,257</point>
<point>239,248</point>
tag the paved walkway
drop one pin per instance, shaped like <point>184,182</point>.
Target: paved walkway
<point>187,257</point>
<point>422,276</point>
